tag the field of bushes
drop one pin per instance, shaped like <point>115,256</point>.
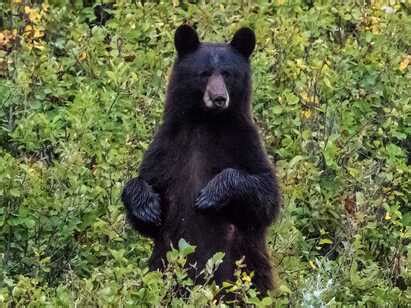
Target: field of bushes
<point>82,88</point>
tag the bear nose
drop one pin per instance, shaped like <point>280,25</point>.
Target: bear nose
<point>219,101</point>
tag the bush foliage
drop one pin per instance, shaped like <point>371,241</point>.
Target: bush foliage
<point>80,100</point>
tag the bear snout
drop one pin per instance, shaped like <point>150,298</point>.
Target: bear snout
<point>216,94</point>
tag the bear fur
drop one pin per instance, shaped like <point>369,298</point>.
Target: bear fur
<point>206,177</point>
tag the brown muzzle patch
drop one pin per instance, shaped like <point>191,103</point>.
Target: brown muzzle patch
<point>216,94</point>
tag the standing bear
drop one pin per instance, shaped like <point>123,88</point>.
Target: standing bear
<point>206,177</point>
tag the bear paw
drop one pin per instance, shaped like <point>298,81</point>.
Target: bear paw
<point>150,212</point>
<point>208,199</point>
<point>142,202</point>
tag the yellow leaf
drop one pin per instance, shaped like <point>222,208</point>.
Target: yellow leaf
<point>32,14</point>
<point>307,113</point>
<point>37,33</point>
<point>405,62</point>
<point>387,216</point>
<point>28,28</point>
<point>39,46</point>
<point>82,56</point>
<point>307,97</point>
<point>246,278</point>
<point>312,264</point>
<point>45,7</point>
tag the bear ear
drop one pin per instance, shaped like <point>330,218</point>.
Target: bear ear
<point>186,40</point>
<point>244,41</point>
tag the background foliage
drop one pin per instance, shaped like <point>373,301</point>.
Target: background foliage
<point>79,102</point>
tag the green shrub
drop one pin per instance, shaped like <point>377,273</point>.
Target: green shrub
<point>79,105</point>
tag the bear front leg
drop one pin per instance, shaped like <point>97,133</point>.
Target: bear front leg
<point>143,206</point>
<point>252,199</point>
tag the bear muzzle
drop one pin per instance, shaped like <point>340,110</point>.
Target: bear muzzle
<point>216,95</point>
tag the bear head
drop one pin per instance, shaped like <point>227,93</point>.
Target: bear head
<point>210,78</point>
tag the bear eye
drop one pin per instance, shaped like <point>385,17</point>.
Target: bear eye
<point>205,74</point>
<point>226,74</point>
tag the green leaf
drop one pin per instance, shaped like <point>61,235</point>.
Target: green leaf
<point>325,241</point>
<point>185,248</point>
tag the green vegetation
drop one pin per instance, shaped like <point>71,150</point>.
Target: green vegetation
<point>78,107</point>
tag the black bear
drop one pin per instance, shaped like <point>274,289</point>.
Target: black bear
<point>206,177</point>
